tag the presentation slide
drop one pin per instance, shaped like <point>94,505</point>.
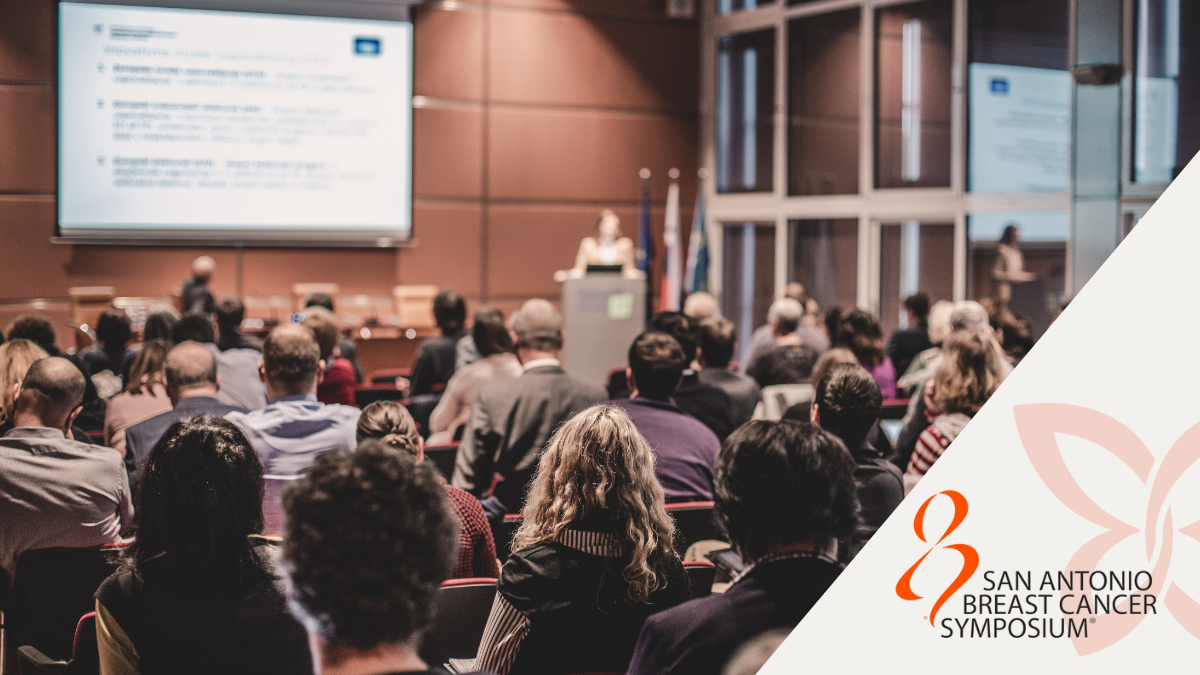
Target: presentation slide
<point>1020,129</point>
<point>180,123</point>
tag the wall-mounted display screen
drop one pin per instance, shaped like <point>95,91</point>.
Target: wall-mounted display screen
<point>187,124</point>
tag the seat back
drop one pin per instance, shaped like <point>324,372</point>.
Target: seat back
<point>366,394</point>
<point>443,457</point>
<point>502,534</point>
<point>273,487</point>
<point>460,614</point>
<point>51,589</point>
<point>701,575</point>
<point>694,521</point>
<point>85,656</point>
<point>777,398</point>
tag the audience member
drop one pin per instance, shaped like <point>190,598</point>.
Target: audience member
<point>967,317</point>
<point>684,449</point>
<point>40,331</point>
<point>16,356</point>
<point>112,338</point>
<point>807,328</point>
<point>859,332</point>
<point>391,424</point>
<point>434,364</point>
<point>511,421</point>
<point>198,592</point>
<point>241,386</point>
<point>144,397</point>
<point>346,346</point>
<point>906,343</point>
<point>369,537</point>
<point>338,383</point>
<point>830,359</point>
<point>56,492</point>
<point>230,314</point>
<point>196,296</point>
<point>753,654</point>
<point>923,363</point>
<point>701,306</point>
<point>592,558</point>
<point>718,342</point>
<point>967,377</point>
<point>785,493</point>
<point>847,405</point>
<point>496,363</point>
<point>159,325</point>
<point>192,385</point>
<point>709,404</point>
<point>294,427</point>
<point>789,361</point>
<point>465,351</point>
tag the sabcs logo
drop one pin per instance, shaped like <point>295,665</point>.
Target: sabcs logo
<point>969,554</point>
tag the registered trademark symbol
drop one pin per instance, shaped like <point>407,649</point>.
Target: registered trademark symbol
<point>1092,620</point>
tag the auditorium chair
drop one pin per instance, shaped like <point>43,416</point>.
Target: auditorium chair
<point>701,575</point>
<point>366,394</point>
<point>693,522</point>
<point>894,409</point>
<point>389,375</point>
<point>443,457</point>
<point>85,653</point>
<point>51,588</point>
<point>460,614</point>
<point>273,487</point>
<point>503,533</point>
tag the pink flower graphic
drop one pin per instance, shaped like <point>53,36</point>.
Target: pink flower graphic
<point>1037,424</point>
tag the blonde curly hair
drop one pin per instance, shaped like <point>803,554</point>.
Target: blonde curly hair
<point>595,461</point>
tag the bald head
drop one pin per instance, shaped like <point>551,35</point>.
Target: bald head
<point>191,371</point>
<point>50,394</point>
<point>291,360</point>
<point>203,268</point>
<point>538,326</point>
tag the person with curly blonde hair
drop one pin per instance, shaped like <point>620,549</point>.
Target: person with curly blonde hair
<point>593,558</point>
<point>969,374</point>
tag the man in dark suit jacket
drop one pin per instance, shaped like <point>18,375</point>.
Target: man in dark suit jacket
<point>785,491</point>
<point>707,403</point>
<point>906,343</point>
<point>192,384</point>
<point>512,421</point>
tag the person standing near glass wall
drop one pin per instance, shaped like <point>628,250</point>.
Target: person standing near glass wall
<point>1009,266</point>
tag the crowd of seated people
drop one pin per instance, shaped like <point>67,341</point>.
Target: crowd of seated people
<point>202,413</point>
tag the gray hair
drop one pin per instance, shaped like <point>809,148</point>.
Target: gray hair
<point>788,312</point>
<point>538,325</point>
<point>969,316</point>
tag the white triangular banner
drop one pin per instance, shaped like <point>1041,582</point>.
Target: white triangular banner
<point>1087,459</point>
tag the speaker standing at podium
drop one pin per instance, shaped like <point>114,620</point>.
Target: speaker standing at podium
<point>1009,266</point>
<point>607,247</point>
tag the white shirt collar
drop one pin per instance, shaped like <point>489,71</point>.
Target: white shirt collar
<point>541,363</point>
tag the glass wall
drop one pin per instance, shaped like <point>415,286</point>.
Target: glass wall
<point>1019,96</point>
<point>731,6</point>
<point>823,113</point>
<point>1166,132</point>
<point>914,49</point>
<point>914,256</point>
<point>745,105</point>
<point>749,278</point>
<point>823,256</point>
<point>971,100</point>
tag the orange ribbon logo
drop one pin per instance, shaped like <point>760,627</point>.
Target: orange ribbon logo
<point>969,554</point>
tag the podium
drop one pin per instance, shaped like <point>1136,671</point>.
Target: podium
<point>602,314</point>
<point>1032,300</point>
